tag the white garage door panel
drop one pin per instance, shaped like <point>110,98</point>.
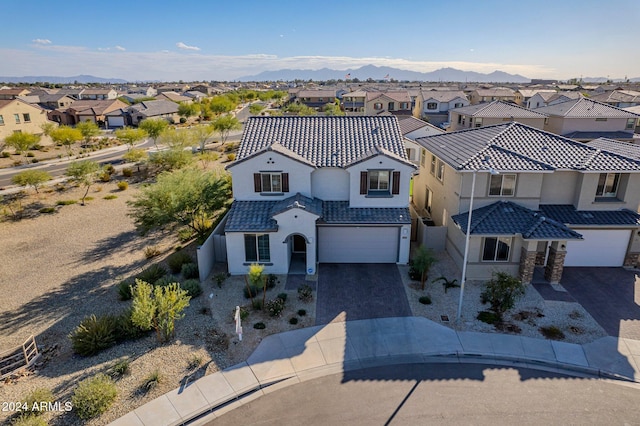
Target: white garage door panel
<point>358,244</point>
<point>599,248</point>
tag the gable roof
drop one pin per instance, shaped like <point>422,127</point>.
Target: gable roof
<point>626,149</point>
<point>321,141</point>
<point>518,147</point>
<point>509,218</point>
<point>154,108</point>
<point>410,124</point>
<point>6,102</point>
<point>496,91</point>
<point>585,108</point>
<point>498,109</point>
<point>443,96</point>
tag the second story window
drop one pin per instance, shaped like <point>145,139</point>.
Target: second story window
<point>608,185</point>
<point>1,120</point>
<point>433,165</point>
<point>478,122</point>
<point>376,183</point>
<point>457,105</point>
<point>432,105</point>
<point>404,105</point>
<point>503,185</point>
<point>27,118</point>
<point>379,180</point>
<point>271,182</point>
<point>377,106</point>
<point>17,117</point>
<point>423,157</point>
<point>392,106</point>
<point>631,122</point>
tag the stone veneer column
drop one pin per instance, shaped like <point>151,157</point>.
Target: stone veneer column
<point>540,258</point>
<point>555,264</point>
<point>631,260</point>
<point>527,265</point>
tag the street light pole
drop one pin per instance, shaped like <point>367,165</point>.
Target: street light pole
<point>466,247</point>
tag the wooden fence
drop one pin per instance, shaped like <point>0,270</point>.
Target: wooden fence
<point>18,358</point>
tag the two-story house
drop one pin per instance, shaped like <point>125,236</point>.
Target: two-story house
<point>493,94</point>
<point>353,102</point>
<point>619,98</point>
<point>539,199</point>
<point>392,102</point>
<point>523,96</point>
<point>321,189</point>
<point>434,105</point>
<point>584,119</point>
<point>19,116</point>
<point>490,113</point>
<point>413,128</point>
<point>316,99</point>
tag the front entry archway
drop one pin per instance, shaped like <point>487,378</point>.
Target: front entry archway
<point>298,263</point>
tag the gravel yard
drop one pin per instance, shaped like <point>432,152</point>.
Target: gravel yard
<point>58,268</point>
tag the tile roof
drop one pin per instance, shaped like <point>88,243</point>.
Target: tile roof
<point>323,141</point>
<point>442,96</point>
<point>567,214</point>
<point>585,108</point>
<point>509,218</point>
<point>496,91</point>
<point>626,149</point>
<point>618,96</point>
<point>410,124</point>
<point>595,135</point>
<point>257,216</point>
<point>338,212</point>
<point>498,109</point>
<point>518,147</point>
<point>153,108</point>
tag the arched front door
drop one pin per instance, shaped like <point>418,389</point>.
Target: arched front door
<point>298,263</point>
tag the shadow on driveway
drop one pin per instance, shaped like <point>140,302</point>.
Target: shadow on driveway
<point>350,291</point>
<point>610,295</point>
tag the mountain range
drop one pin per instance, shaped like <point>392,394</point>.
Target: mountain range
<point>82,79</point>
<point>379,73</point>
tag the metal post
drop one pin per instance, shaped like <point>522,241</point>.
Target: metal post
<point>466,247</point>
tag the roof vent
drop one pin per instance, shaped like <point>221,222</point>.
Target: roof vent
<point>374,131</point>
<point>586,215</point>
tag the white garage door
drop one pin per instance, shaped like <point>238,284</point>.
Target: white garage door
<point>599,248</point>
<point>343,244</point>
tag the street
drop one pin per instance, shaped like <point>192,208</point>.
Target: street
<point>443,394</point>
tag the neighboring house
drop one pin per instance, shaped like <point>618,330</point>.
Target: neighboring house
<point>194,94</point>
<point>396,103</point>
<point>434,105</point>
<point>413,128</point>
<point>523,96</point>
<point>319,190</point>
<point>316,99</point>
<point>55,101</point>
<point>494,94</point>
<point>98,94</point>
<point>550,201</point>
<point>134,114</point>
<point>79,111</point>
<point>146,91</point>
<point>173,97</point>
<point>9,94</point>
<point>584,119</point>
<point>635,110</point>
<point>496,112</point>
<point>617,98</point>
<point>353,102</point>
<point>135,97</point>
<point>178,88</point>
<point>19,116</point>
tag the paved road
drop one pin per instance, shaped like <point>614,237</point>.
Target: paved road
<point>443,394</point>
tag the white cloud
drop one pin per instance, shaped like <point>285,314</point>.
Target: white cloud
<point>120,48</point>
<point>183,46</point>
<point>41,41</point>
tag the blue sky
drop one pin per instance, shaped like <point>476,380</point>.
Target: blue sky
<point>224,40</point>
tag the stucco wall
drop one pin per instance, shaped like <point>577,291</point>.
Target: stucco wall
<point>379,162</point>
<point>330,184</point>
<point>559,187</point>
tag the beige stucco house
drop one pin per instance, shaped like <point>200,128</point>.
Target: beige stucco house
<point>19,116</point>
<point>496,112</point>
<point>493,94</point>
<point>540,200</point>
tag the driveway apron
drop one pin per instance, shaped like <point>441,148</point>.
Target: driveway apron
<point>349,292</point>
<point>610,295</point>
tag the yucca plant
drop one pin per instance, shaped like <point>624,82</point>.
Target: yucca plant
<point>93,335</point>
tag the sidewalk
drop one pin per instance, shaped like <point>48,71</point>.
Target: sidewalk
<point>296,356</point>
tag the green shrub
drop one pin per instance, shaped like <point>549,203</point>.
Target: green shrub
<point>104,176</point>
<point>89,198</point>
<point>488,317</point>
<point>272,280</point>
<point>153,273</point>
<point>108,168</point>
<point>152,380</point>
<point>35,397</point>
<point>192,287</point>
<point>177,259</point>
<point>552,332</point>
<point>5,154</point>
<point>501,292</point>
<point>302,312</point>
<point>425,300</point>
<point>110,197</point>
<point>194,362</point>
<point>293,321</point>
<point>47,210</point>
<point>30,154</point>
<point>29,420</point>
<point>124,289</point>
<point>259,326</point>
<point>190,270</point>
<point>126,329</point>
<point>257,304</point>
<point>66,202</point>
<point>123,185</point>
<point>120,368</point>
<point>186,234</point>
<point>254,291</point>
<point>165,281</point>
<point>127,172</point>
<point>275,307</point>
<point>34,160</point>
<point>231,157</point>
<point>93,396</point>
<point>282,296</point>
<point>220,278</point>
<point>93,335</point>
<point>305,293</point>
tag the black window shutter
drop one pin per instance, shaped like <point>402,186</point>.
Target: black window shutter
<point>257,182</point>
<point>395,187</point>
<point>364,182</point>
<point>285,182</point>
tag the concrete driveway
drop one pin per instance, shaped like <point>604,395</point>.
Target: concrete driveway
<point>610,295</point>
<point>349,291</point>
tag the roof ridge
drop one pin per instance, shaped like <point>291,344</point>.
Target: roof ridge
<point>490,209</point>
